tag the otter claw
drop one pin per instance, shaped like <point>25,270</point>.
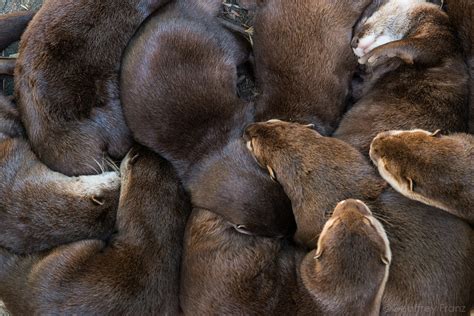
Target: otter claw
<point>97,201</point>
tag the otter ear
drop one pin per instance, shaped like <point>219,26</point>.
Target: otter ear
<point>411,184</point>
<point>384,260</point>
<point>319,253</point>
<point>436,133</point>
<point>271,172</point>
<point>242,229</point>
<point>310,126</point>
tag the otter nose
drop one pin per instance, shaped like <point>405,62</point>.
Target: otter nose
<point>355,42</point>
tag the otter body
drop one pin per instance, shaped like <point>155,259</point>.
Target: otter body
<point>431,266</point>
<point>40,208</point>
<point>430,168</point>
<point>179,91</point>
<point>349,270</point>
<point>66,80</point>
<point>303,60</point>
<point>135,272</point>
<point>417,79</point>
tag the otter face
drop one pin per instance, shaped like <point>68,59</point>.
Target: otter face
<point>404,159</point>
<point>388,24</point>
<point>353,220</point>
<point>271,142</point>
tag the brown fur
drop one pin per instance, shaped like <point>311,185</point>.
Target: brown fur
<point>179,91</point>
<point>12,26</point>
<point>348,272</point>
<point>431,267</point>
<point>299,180</point>
<point>67,80</point>
<point>227,273</point>
<point>135,273</point>
<point>461,14</point>
<point>433,169</point>
<point>419,81</point>
<point>40,208</point>
<point>303,59</point>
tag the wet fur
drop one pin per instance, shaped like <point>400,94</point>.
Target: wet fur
<point>66,80</point>
<point>40,208</point>
<point>440,168</point>
<point>420,81</point>
<point>431,266</point>
<point>185,106</point>
<point>136,272</point>
<point>303,59</point>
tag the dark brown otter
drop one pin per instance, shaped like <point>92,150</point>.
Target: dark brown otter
<point>430,168</point>
<point>461,14</point>
<point>432,266</point>
<point>227,273</point>
<point>40,208</point>
<point>179,92</point>
<point>12,26</point>
<point>303,179</point>
<point>66,80</point>
<point>348,272</point>
<point>417,81</point>
<point>303,59</point>
<point>135,273</point>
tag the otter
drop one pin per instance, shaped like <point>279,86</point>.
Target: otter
<point>12,26</point>
<point>40,208</point>
<point>225,272</point>
<point>303,59</point>
<point>417,80</point>
<point>430,168</point>
<point>185,107</point>
<point>461,14</point>
<point>431,266</point>
<point>353,257</point>
<point>135,272</point>
<point>66,80</point>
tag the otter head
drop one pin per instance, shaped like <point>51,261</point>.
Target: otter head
<point>384,22</point>
<point>230,184</point>
<point>353,254</point>
<point>274,144</point>
<point>406,159</point>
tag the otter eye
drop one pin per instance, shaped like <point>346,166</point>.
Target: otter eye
<point>411,184</point>
<point>436,133</point>
<point>384,260</point>
<point>271,172</point>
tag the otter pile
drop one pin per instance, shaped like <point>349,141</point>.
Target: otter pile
<point>238,157</point>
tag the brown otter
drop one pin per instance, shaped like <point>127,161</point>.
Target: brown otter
<point>430,168</point>
<point>40,208</point>
<point>136,272</point>
<point>347,273</point>
<point>291,41</point>
<point>461,14</point>
<point>12,26</point>
<point>227,273</point>
<point>418,81</point>
<point>179,96</point>
<point>432,266</point>
<point>66,80</point>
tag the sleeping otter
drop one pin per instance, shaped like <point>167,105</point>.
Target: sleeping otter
<point>185,106</point>
<point>40,208</point>
<point>135,272</point>
<point>430,168</point>
<point>348,272</point>
<point>431,265</point>
<point>66,80</point>
<point>303,59</point>
<point>416,80</point>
